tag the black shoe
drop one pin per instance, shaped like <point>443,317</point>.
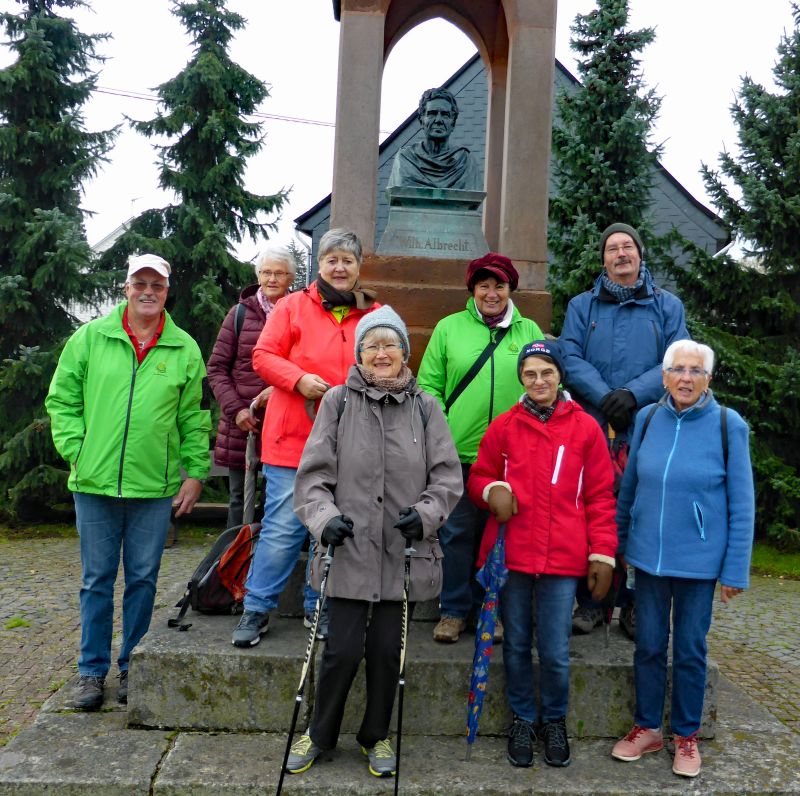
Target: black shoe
<point>556,746</point>
<point>627,620</point>
<point>122,691</point>
<point>89,693</point>
<point>521,738</point>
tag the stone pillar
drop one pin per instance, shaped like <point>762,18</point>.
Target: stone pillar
<point>358,105</point>
<point>495,134</point>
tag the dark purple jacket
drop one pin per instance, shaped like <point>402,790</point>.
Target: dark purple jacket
<point>231,376</point>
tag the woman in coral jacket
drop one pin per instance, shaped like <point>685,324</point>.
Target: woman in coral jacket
<point>544,470</point>
<point>306,347</point>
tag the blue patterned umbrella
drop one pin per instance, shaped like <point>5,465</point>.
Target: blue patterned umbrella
<point>492,575</point>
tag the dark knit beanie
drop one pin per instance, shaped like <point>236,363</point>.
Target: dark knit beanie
<point>618,227</point>
<point>496,265</point>
<point>541,348</point>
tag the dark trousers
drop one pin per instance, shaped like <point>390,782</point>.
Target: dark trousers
<point>355,633</point>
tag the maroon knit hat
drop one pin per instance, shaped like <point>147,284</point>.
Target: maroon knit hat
<point>498,266</point>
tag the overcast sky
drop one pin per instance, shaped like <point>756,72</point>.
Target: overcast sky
<point>703,47</point>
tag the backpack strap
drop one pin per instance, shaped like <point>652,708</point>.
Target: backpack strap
<point>343,401</point>
<point>467,378</point>
<point>648,419</point>
<point>238,318</point>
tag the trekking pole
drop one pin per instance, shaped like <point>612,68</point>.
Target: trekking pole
<point>401,682</point>
<point>312,639</point>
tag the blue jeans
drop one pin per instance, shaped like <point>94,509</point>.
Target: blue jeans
<point>106,526</point>
<point>691,602</point>
<point>460,539</point>
<point>554,597</point>
<point>278,547</point>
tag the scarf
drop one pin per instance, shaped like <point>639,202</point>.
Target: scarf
<point>264,302</point>
<point>543,413</point>
<point>623,293</point>
<point>361,298</point>
<point>396,383</point>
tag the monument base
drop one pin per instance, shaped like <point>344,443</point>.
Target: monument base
<point>434,222</point>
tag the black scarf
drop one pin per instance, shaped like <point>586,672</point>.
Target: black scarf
<point>361,298</point>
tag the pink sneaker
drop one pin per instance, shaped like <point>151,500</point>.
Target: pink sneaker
<point>637,742</point>
<point>687,756</point>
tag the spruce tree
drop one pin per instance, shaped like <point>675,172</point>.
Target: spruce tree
<point>45,263</point>
<point>202,114</point>
<point>748,309</point>
<point>603,157</point>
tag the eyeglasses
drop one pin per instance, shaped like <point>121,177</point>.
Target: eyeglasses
<point>276,274</point>
<point>627,248</point>
<point>140,286</point>
<point>389,348</point>
<point>534,376</point>
<point>694,373</point>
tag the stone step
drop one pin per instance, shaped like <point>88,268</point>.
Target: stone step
<point>198,679</point>
<point>97,755</point>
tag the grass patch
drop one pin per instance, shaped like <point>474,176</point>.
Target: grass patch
<point>187,531</point>
<point>16,621</point>
<point>775,563</point>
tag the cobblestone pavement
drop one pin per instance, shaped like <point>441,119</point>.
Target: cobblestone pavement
<point>755,639</point>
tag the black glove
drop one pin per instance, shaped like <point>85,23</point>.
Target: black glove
<point>337,530</point>
<point>618,406</point>
<point>410,524</point>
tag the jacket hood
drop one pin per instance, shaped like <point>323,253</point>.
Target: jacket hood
<point>249,291</point>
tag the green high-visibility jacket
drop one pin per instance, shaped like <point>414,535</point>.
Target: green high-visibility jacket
<point>456,342</point>
<point>125,428</point>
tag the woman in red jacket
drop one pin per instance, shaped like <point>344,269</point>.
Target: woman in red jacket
<point>240,392</point>
<point>543,469</point>
<point>306,347</point>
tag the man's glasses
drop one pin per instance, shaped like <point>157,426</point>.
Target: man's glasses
<point>140,286</point>
<point>276,274</point>
<point>628,248</point>
<point>694,373</point>
<point>389,348</point>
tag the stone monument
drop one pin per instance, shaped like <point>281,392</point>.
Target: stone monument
<point>434,190</point>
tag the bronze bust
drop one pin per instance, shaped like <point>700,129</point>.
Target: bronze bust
<point>431,163</point>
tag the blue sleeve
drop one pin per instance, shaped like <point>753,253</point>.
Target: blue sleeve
<point>582,376</point>
<point>630,481</point>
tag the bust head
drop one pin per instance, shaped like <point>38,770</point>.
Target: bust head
<point>437,113</point>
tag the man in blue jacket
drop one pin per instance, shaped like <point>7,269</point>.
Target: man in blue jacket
<point>613,340</point>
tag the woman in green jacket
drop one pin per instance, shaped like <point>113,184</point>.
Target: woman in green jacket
<point>470,366</point>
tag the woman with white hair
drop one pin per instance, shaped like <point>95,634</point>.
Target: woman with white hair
<point>239,390</point>
<point>685,518</point>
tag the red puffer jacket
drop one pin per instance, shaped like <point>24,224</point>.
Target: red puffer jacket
<point>300,337</point>
<point>232,378</point>
<point>561,473</point>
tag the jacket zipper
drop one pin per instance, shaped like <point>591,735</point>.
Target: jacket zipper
<point>664,497</point>
<point>127,424</point>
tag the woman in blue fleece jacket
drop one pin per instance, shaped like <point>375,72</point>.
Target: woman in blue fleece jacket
<point>685,518</point>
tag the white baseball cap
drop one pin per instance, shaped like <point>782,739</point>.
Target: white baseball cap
<point>158,264</point>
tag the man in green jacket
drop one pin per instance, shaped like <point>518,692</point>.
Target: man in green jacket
<point>125,412</point>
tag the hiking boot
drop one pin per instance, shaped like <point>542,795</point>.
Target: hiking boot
<point>556,746</point>
<point>498,632</point>
<point>449,629</point>
<point>521,738</point>
<point>302,755</point>
<point>322,627</point>
<point>586,619</point>
<point>382,760</point>
<point>627,620</point>
<point>122,690</point>
<point>637,742</point>
<point>89,693</point>
<point>251,627</point>
<point>686,762</point>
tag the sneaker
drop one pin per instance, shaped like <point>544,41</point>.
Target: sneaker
<point>382,760</point>
<point>251,627</point>
<point>449,629</point>
<point>122,690</point>
<point>556,746</point>
<point>637,742</point>
<point>521,738</point>
<point>302,755</point>
<point>627,620</point>
<point>687,756</point>
<point>322,627</point>
<point>498,632</point>
<point>89,693</point>
<point>586,619</point>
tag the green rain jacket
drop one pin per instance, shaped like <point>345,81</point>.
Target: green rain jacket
<point>456,342</point>
<point>126,429</point>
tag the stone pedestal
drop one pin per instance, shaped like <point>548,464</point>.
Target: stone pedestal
<point>434,222</point>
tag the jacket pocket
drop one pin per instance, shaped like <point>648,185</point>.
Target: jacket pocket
<point>426,573</point>
<point>698,518</point>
